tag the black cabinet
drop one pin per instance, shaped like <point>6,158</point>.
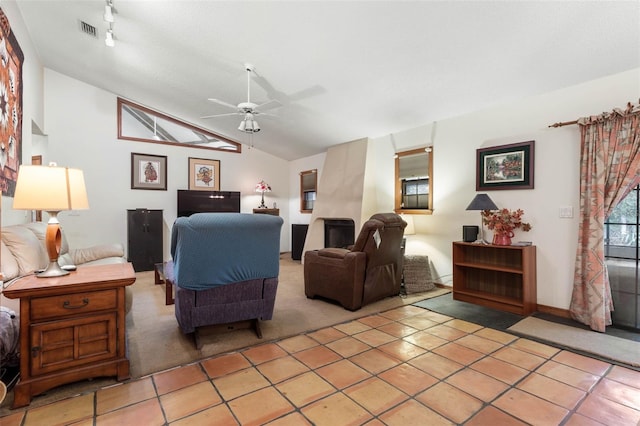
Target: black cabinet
<point>144,237</point>
<point>298,236</point>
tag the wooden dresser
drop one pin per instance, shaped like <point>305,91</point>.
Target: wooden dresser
<point>71,327</point>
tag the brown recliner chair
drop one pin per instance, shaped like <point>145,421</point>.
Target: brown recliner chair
<point>368,272</point>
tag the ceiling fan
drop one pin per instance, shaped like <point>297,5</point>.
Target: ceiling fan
<point>247,109</point>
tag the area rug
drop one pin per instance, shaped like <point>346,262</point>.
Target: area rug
<point>477,314</point>
<point>606,347</point>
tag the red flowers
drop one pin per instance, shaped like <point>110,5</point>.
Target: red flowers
<point>504,220</point>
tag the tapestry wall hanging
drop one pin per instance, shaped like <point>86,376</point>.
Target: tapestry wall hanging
<point>11,58</point>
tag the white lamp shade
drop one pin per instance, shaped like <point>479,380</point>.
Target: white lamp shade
<point>50,188</point>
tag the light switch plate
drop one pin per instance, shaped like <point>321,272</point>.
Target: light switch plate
<point>566,212</point>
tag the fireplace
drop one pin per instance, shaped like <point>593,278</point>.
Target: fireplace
<point>339,233</point>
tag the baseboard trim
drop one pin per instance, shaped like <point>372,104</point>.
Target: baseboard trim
<point>551,310</point>
<point>563,313</point>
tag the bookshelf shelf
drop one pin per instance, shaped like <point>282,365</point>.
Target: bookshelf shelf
<point>499,277</point>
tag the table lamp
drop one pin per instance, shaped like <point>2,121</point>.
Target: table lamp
<point>481,202</point>
<point>52,189</point>
<point>263,187</point>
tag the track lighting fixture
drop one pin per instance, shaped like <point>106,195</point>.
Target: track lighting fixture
<point>110,20</point>
<point>108,40</point>
<point>108,12</point>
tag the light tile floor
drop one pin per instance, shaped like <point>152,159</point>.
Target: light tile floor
<point>406,366</point>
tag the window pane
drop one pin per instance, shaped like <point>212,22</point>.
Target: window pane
<point>626,210</point>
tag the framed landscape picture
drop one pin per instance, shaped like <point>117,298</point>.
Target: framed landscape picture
<point>505,167</point>
<point>204,174</point>
<point>148,171</point>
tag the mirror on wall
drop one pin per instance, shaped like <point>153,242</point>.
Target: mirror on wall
<point>414,181</point>
<point>308,185</point>
<point>142,124</point>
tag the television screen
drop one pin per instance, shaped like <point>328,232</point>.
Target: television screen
<point>190,202</point>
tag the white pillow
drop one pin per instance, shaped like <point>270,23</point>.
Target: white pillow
<point>8,265</point>
<point>25,246</point>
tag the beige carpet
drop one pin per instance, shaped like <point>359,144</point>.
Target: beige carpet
<point>155,343</point>
<point>590,342</point>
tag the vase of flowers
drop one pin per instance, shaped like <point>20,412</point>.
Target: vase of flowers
<point>502,223</point>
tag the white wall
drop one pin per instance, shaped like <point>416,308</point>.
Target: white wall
<point>81,124</point>
<point>556,175</point>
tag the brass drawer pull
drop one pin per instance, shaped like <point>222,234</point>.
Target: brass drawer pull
<point>67,304</point>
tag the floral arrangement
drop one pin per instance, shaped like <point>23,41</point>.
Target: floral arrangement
<point>504,221</point>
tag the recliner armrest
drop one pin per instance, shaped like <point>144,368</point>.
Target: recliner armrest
<point>337,253</point>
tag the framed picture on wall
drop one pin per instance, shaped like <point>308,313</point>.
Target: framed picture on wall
<point>505,167</point>
<point>148,171</point>
<point>204,174</point>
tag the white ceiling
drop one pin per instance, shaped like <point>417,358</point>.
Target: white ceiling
<point>342,70</point>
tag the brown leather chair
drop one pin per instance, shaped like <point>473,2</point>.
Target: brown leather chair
<point>371,270</point>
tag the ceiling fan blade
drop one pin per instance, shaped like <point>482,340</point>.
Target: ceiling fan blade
<point>227,104</point>
<point>222,115</point>
<point>273,103</point>
<point>262,114</point>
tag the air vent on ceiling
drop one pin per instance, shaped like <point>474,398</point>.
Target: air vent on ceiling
<point>88,29</point>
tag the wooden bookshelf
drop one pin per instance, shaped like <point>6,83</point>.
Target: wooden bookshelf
<point>499,277</point>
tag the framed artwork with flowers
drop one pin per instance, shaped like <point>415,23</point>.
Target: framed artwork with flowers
<point>148,171</point>
<point>11,60</point>
<point>204,174</point>
<point>505,167</point>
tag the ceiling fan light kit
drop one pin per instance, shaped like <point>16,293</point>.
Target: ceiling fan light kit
<point>249,125</point>
<point>247,109</point>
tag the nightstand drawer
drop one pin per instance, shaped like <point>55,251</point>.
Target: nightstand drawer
<point>43,308</point>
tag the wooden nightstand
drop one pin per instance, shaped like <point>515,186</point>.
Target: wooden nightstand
<point>274,212</point>
<point>71,328</point>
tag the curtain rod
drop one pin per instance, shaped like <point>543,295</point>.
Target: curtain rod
<point>563,123</point>
<point>629,109</point>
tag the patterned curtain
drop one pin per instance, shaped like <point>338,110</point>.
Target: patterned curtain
<point>609,170</point>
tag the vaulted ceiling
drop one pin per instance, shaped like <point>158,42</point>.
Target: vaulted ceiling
<point>341,70</point>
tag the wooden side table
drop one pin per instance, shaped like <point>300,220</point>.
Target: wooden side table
<point>274,212</point>
<point>71,328</point>
<point>164,275</point>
